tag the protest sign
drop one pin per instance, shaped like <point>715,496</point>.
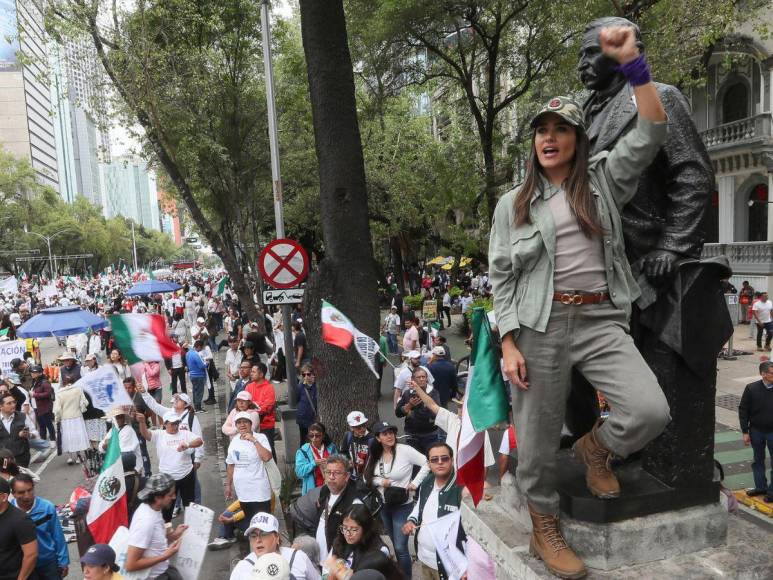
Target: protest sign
<point>429,310</point>
<point>120,544</point>
<point>9,351</point>
<point>194,541</point>
<point>445,533</point>
<point>105,389</point>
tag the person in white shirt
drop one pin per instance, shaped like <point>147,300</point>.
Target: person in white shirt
<point>246,475</point>
<point>174,448</point>
<point>149,538</point>
<point>264,538</point>
<point>127,438</point>
<point>761,312</point>
<point>403,376</point>
<point>233,358</point>
<point>392,328</point>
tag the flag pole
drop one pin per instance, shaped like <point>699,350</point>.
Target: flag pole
<point>386,359</point>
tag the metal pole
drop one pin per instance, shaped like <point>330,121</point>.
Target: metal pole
<point>134,248</point>
<point>50,259</point>
<point>276,176</point>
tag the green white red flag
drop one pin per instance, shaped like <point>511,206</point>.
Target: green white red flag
<point>485,405</point>
<point>219,288</point>
<point>142,337</point>
<point>108,511</point>
<point>336,328</point>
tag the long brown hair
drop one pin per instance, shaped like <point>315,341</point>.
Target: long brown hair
<point>577,187</point>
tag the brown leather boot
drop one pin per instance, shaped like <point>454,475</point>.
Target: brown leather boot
<point>548,544</point>
<point>599,477</point>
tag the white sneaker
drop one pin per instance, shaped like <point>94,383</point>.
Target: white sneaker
<point>220,543</point>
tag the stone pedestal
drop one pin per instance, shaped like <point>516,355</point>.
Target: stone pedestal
<point>702,542</point>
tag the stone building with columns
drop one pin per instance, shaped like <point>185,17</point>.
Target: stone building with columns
<point>734,114</point>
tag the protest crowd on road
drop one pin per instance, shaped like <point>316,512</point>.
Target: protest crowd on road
<point>125,401</point>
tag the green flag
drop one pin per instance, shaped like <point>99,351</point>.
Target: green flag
<point>487,402</point>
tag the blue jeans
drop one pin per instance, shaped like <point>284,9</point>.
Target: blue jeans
<point>393,518</point>
<point>391,342</point>
<point>199,384</point>
<point>761,440</point>
<point>421,441</point>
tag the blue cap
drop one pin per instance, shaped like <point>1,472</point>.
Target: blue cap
<point>100,555</point>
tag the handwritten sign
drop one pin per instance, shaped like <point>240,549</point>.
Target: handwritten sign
<point>105,389</point>
<point>120,544</point>
<point>429,310</point>
<point>194,541</point>
<point>10,351</point>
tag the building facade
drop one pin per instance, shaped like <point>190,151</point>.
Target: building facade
<point>129,190</point>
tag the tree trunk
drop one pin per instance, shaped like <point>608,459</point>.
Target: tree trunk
<point>346,276</point>
<point>491,178</point>
<point>397,254</point>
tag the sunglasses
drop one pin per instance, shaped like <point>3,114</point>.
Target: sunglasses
<point>440,459</point>
<point>307,374</point>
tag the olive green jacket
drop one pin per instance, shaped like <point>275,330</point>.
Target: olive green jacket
<point>522,258</point>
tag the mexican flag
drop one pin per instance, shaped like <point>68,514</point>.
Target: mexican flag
<point>485,405</point>
<point>142,337</point>
<point>336,328</point>
<point>219,288</point>
<point>107,510</point>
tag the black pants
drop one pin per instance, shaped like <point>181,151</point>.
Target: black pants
<point>447,312</point>
<point>185,488</point>
<point>269,433</point>
<point>304,431</point>
<point>250,508</point>
<point>46,426</point>
<point>23,459</point>
<point>178,374</point>
<point>768,328</point>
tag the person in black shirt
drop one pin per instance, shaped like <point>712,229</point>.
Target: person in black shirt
<point>18,539</point>
<point>755,414</point>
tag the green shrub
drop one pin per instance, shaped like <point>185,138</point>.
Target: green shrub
<point>454,292</point>
<point>414,302</point>
<point>486,303</point>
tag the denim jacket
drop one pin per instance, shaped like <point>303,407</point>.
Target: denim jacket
<point>522,257</point>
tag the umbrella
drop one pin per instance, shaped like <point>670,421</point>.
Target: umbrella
<point>60,321</point>
<point>153,287</point>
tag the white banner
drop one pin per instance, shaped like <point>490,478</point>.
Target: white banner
<point>49,291</point>
<point>445,532</point>
<point>105,389</point>
<point>10,351</point>
<point>120,543</point>
<point>194,541</point>
<point>367,349</point>
<point>10,285</point>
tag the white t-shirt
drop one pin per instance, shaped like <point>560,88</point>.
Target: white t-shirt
<point>401,380</point>
<point>426,548</point>
<point>763,310</point>
<point>321,537</point>
<point>233,358</point>
<point>147,532</point>
<point>302,568</point>
<point>250,478</point>
<point>178,464</point>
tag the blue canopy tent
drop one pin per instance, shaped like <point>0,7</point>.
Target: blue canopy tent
<point>152,287</point>
<point>60,321</point>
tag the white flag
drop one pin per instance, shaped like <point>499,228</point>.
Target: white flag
<point>105,389</point>
<point>445,533</point>
<point>9,285</point>
<point>368,349</point>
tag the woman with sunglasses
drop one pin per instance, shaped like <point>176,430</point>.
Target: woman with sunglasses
<point>563,291</point>
<point>389,470</point>
<point>310,459</point>
<point>306,395</point>
<point>358,546</point>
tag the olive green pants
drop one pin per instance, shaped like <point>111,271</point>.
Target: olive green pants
<point>593,339</point>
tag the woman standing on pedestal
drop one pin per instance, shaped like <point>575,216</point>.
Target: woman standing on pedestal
<point>563,290</point>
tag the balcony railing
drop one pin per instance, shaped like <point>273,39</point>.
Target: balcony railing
<point>745,257</point>
<point>738,132</point>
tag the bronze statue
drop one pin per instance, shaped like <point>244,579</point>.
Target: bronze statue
<point>680,322</point>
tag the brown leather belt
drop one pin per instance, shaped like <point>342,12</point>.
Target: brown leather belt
<point>580,299</point>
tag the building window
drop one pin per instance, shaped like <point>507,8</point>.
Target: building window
<point>758,214</point>
<point>735,103</point>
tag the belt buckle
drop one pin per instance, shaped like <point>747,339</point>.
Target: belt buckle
<point>566,299</point>
<point>577,299</point>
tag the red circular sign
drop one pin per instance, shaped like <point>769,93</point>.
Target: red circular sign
<point>283,264</point>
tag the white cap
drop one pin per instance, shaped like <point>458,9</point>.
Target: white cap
<point>244,396</point>
<point>271,567</point>
<point>264,522</point>
<point>439,351</point>
<point>183,397</point>
<point>200,319</point>
<point>171,417</point>
<point>356,418</point>
<point>245,415</point>
<point>412,354</point>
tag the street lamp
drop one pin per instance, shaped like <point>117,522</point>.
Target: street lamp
<point>48,242</point>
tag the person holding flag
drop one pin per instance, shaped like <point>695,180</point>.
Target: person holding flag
<point>563,291</point>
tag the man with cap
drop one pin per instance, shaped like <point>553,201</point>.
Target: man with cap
<point>43,393</point>
<point>413,361</point>
<point>357,443</point>
<point>53,559</point>
<point>18,539</point>
<point>444,372</point>
<point>22,368</point>
<point>149,537</point>
<point>127,436</point>
<point>246,475</point>
<point>70,368</point>
<point>264,538</point>
<point>98,563</point>
<point>392,329</point>
<point>174,448</point>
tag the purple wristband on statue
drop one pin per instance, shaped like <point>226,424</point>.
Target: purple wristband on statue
<point>636,71</point>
